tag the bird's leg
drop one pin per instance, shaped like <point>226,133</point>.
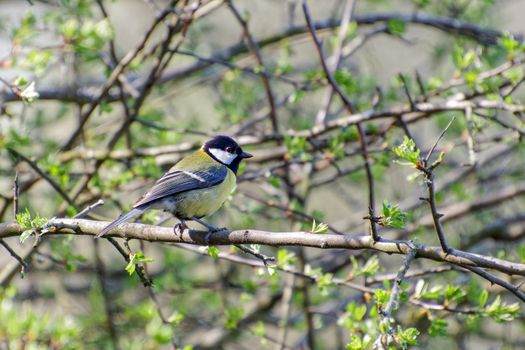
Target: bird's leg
<point>180,227</point>
<point>210,228</point>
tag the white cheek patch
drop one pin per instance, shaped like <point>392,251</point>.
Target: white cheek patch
<point>223,156</point>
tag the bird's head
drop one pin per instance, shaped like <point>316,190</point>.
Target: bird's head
<point>226,151</point>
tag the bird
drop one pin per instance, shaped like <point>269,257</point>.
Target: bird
<point>195,187</point>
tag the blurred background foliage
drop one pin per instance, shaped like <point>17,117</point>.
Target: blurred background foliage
<point>100,97</point>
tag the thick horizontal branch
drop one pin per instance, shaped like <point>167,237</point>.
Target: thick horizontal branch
<point>248,236</point>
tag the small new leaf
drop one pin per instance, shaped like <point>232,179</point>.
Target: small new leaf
<point>483,297</point>
<point>25,235</point>
<point>502,312</point>
<point>285,258</point>
<point>130,267</point>
<point>233,316</point>
<point>381,296</point>
<point>29,224</point>
<point>437,327</point>
<point>407,336</point>
<point>319,227</point>
<point>213,252</point>
<point>135,259</point>
<point>396,26</point>
<point>454,293</point>
<point>369,269</point>
<point>393,216</point>
<point>408,152</point>
<point>29,94</point>
<point>24,219</point>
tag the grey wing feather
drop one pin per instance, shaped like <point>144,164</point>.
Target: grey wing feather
<point>119,221</point>
<point>179,181</point>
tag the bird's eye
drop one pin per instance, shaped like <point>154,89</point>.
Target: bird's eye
<point>229,149</point>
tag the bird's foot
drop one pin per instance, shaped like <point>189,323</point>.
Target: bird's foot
<point>179,228</point>
<point>210,228</point>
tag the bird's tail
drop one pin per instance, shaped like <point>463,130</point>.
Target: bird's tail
<point>120,220</point>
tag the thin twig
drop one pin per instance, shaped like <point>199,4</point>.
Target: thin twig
<point>427,170</point>
<point>499,281</point>
<point>40,172</point>
<point>349,107</point>
<point>336,59</point>
<point>264,258</point>
<point>385,313</point>
<point>113,78</point>
<point>438,139</point>
<point>101,275</point>
<point>407,91</point>
<point>16,194</point>
<point>89,209</point>
<point>303,287</point>
<point>254,48</point>
<point>286,303</point>
<point>21,260</point>
<point>470,137</point>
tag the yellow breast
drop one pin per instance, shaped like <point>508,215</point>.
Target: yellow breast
<point>206,201</point>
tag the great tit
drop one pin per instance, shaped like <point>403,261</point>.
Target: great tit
<point>195,187</point>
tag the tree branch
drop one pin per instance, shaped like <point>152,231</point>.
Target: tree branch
<point>248,236</point>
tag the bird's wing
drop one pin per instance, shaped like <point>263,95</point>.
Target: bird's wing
<point>177,181</point>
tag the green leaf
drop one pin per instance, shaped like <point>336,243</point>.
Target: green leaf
<point>295,145</point>
<point>345,79</point>
<point>319,227</point>
<point>381,296</point>
<point>20,81</point>
<point>407,151</point>
<point>454,293</point>
<point>29,224</point>
<point>274,181</point>
<point>176,318</point>
<point>357,312</point>
<point>24,219</point>
<point>130,267</point>
<point>438,327</point>
<point>393,216</point>
<point>502,312</point>
<point>369,269</point>
<point>140,258</point>
<point>29,94</point>
<point>435,293</point>
<point>135,259</point>
<point>355,343</point>
<point>483,297</point>
<point>371,266</point>
<point>213,252</point>
<point>25,235</point>
<point>421,3</point>
<point>396,26</point>
<point>233,316</point>
<point>285,258</point>
<point>259,329</point>
<point>511,45</point>
<point>407,336</point>
<point>324,281</point>
<point>296,97</point>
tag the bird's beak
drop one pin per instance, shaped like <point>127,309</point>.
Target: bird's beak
<point>245,155</point>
